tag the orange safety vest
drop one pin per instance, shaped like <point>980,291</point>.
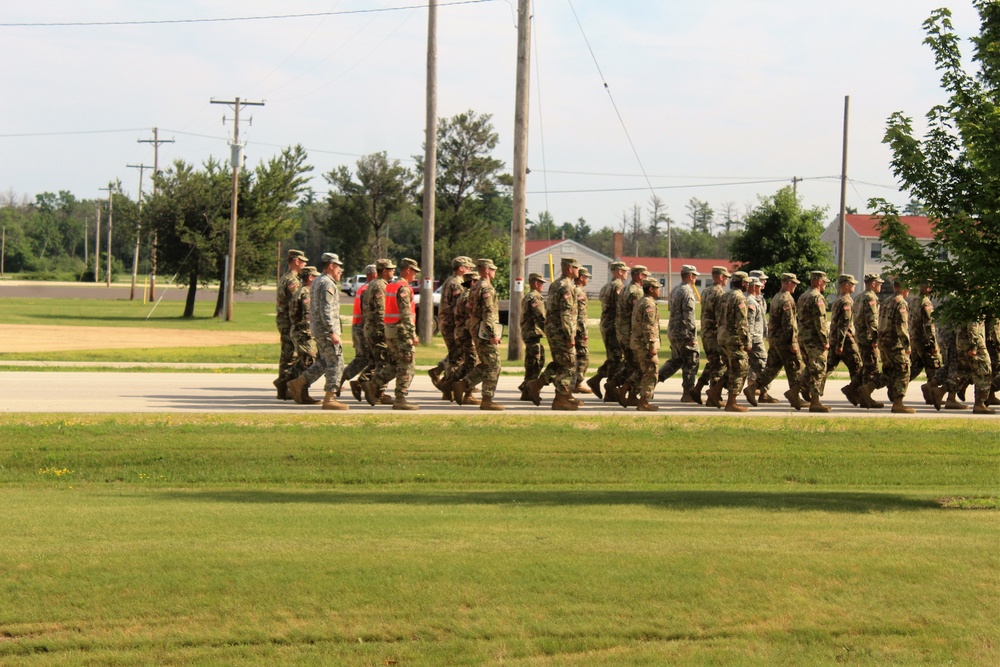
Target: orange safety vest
<point>358,318</point>
<point>392,305</point>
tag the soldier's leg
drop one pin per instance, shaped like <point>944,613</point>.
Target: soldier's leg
<point>490,359</point>
<point>334,361</point>
<point>674,363</point>
<point>647,377</point>
<point>478,372</point>
<point>319,366</point>
<point>534,359</point>
<point>738,365</point>
<point>403,362</point>
<point>582,362</point>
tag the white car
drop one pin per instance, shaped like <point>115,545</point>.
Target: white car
<point>352,284</point>
<point>437,297</point>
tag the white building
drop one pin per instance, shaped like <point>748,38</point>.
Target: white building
<point>863,248</point>
<point>536,256</point>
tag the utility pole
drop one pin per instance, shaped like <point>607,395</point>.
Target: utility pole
<point>843,192</point>
<point>795,187</point>
<point>425,325</point>
<point>138,230</point>
<point>111,204</point>
<point>156,141</point>
<point>3,249</point>
<point>97,245</point>
<point>237,160</point>
<point>517,231</point>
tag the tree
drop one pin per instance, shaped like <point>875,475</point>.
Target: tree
<point>701,214</point>
<point>730,218</point>
<point>955,172</point>
<point>543,228</point>
<point>581,232</point>
<point>779,237</point>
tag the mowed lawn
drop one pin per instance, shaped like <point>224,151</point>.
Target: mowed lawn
<point>343,540</point>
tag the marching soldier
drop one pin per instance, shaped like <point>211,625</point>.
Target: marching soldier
<point>646,341</point>
<point>581,343</point>
<point>682,331</point>
<point>361,365</point>
<point>814,341</point>
<point>843,342</point>
<point>715,367</point>
<point>484,321</point>
<point>925,354</point>
<point>613,349</point>
<point>400,334</point>
<point>866,321</point>
<point>373,307</point>
<point>627,378</point>
<point>894,345</point>
<point>973,364</point>
<point>532,331</point>
<point>560,329</point>
<point>451,289</point>
<point>305,346</point>
<point>288,287</point>
<point>734,341</point>
<point>782,341</point>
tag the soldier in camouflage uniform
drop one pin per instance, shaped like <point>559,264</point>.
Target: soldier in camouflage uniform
<point>560,328</point>
<point>925,354</point>
<point>993,347</point>
<point>612,362</point>
<point>949,367</point>
<point>715,364</point>
<point>442,375</point>
<point>463,336</point>
<point>288,287</point>
<point>843,342</point>
<point>362,366</point>
<point>894,345</point>
<point>973,363</point>
<point>782,342</point>
<point>682,331</point>
<point>814,340</point>
<point>582,335</point>
<point>532,331</point>
<point>757,357</point>
<point>373,308</point>
<point>298,313</point>
<point>732,322</point>
<point>324,323</point>
<point>626,380</point>
<point>866,321</point>
<point>646,341</point>
<point>484,319</point>
<point>400,335</point>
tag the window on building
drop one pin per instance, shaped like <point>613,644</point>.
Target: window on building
<point>943,255</point>
<point>876,250</point>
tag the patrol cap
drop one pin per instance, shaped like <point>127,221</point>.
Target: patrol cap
<point>532,277</point>
<point>308,271</point>
<point>584,273</point>
<point>687,268</point>
<point>720,271</point>
<point>757,273</point>
<point>753,280</point>
<point>407,263</point>
<point>740,276</point>
<point>618,266</point>
<point>789,278</point>
<point>383,264</point>
<point>873,278</point>
<point>462,260</point>
<point>330,258</point>
<point>470,276</point>
<point>570,262</point>
<point>639,268</point>
<point>369,269</point>
<point>844,278</point>
<point>485,263</point>
<point>650,283</point>
<point>297,254</point>
<point>815,275</point>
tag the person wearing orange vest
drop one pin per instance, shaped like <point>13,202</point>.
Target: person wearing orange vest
<point>361,365</point>
<point>400,334</point>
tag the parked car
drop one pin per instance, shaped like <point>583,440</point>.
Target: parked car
<point>352,284</point>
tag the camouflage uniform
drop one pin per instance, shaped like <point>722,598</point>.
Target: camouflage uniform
<point>609,301</point>
<point>842,338</point>
<point>757,358</point>
<point>451,289</point>
<point>733,336</point>
<point>532,330</point>
<point>324,320</point>
<point>560,328</point>
<point>993,347</point>
<point>463,336</point>
<point>972,359</point>
<point>925,355</point>
<point>628,371</point>
<point>582,339</point>
<point>866,320</point>
<point>814,341</point>
<point>682,332</point>
<point>373,308</point>
<point>361,365</point>
<point>288,286</point>
<point>645,343</point>
<point>782,341</point>
<point>484,320</point>
<point>894,345</point>
<point>399,345</point>
<point>715,365</point>
<point>305,346</point>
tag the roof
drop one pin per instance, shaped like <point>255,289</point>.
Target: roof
<point>863,225</point>
<point>531,247</point>
<point>659,264</point>
<point>536,247</point>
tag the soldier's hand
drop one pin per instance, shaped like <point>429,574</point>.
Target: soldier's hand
<point>495,341</point>
<point>416,340</point>
<point>335,338</point>
<point>839,350</point>
<point>795,349</point>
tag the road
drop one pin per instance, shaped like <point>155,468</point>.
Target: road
<point>150,392</point>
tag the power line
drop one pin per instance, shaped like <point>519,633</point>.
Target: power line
<point>65,134</point>
<point>231,19</point>
<point>665,187</point>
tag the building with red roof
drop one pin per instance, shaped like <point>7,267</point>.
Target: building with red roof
<point>864,252</point>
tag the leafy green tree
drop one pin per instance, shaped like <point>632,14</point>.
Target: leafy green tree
<point>779,237</point>
<point>955,172</point>
<point>701,215</point>
<point>542,228</point>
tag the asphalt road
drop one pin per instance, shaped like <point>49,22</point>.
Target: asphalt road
<point>141,392</point>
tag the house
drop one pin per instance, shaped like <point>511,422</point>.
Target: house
<point>863,248</point>
<point>659,267</point>
<point>536,260</point>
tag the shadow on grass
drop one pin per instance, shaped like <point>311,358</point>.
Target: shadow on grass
<point>831,501</point>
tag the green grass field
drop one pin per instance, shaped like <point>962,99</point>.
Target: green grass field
<point>347,540</point>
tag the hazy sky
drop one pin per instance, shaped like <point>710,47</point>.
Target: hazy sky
<point>712,93</point>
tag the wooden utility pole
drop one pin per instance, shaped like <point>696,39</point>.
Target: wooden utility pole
<point>517,231</point>
<point>3,249</point>
<point>111,206</point>
<point>842,239</point>
<point>795,187</point>
<point>425,324</point>
<point>237,160</point>
<point>138,230</point>
<point>156,141</point>
<point>97,245</point>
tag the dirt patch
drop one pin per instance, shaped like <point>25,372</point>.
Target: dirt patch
<point>44,338</point>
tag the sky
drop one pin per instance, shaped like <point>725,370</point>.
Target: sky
<point>722,100</point>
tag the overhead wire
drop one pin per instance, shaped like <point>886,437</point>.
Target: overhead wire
<point>541,115</point>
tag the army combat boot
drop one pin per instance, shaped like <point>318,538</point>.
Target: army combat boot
<point>732,405</point>
<point>899,408</point>
<point>402,404</point>
<point>282,388</point>
<point>851,392</point>
<point>299,389</point>
<point>563,402</point>
<point>534,389</point>
<point>793,396</point>
<point>371,392</point>
<point>595,385</point>
<point>458,391</point>
<point>816,406</point>
<point>488,404</point>
<point>686,396</point>
<point>993,400</point>
<point>751,394</point>
<point>435,374</point>
<point>611,394</point>
<point>356,390</point>
<point>980,407</point>
<point>623,392</point>
<point>330,402</point>
<point>713,398</point>
<point>581,388</point>
<point>696,392</point>
<point>953,403</point>
<point>644,406</point>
